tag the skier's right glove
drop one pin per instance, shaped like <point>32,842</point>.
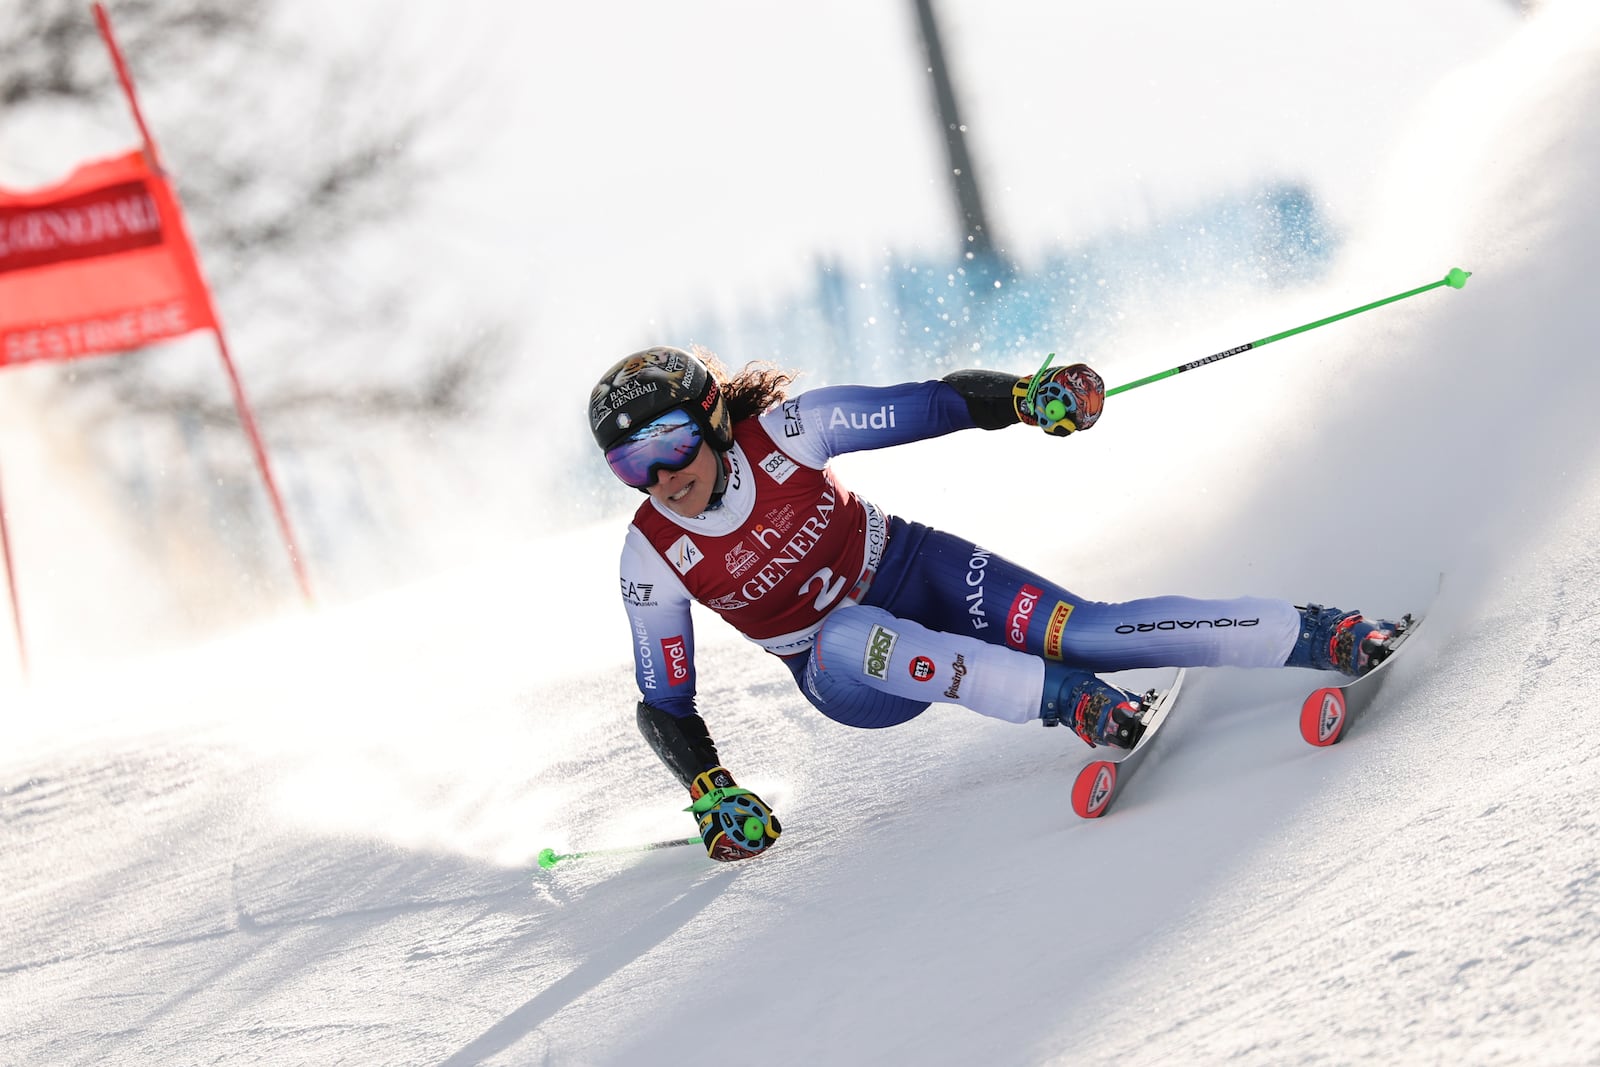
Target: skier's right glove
<point>1060,400</point>
<point>735,824</point>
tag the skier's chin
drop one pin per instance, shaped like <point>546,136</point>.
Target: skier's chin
<point>688,501</point>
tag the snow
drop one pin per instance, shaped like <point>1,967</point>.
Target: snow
<point>313,842</point>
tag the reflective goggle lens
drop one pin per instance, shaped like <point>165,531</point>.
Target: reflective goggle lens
<point>669,443</point>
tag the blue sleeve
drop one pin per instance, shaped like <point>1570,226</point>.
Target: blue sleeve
<point>662,630</point>
<point>830,421</point>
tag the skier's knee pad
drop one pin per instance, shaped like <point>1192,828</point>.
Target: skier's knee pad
<point>848,665</point>
<point>843,641</point>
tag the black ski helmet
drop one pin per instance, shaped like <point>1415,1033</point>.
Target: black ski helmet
<point>648,384</point>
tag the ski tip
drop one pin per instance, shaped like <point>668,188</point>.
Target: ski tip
<point>1093,789</point>
<point>1322,717</point>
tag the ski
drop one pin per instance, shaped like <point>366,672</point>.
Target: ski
<point>1100,781</point>
<point>1328,712</point>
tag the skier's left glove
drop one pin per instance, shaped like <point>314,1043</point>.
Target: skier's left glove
<point>1060,400</point>
<point>734,823</point>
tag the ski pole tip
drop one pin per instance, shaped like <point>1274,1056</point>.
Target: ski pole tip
<point>548,858</point>
<point>1457,277</point>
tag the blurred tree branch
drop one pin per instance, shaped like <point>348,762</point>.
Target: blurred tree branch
<point>291,161</point>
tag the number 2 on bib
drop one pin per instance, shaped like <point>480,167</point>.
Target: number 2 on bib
<point>831,588</point>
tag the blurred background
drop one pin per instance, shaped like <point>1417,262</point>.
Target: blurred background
<point>427,231</point>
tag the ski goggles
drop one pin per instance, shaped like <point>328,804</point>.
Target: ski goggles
<point>668,443</point>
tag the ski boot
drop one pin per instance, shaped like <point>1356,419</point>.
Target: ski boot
<point>1343,641</point>
<point>1099,713</point>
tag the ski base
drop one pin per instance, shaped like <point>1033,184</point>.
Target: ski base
<point>1100,781</point>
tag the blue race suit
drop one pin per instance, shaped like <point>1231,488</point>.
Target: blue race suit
<point>878,617</point>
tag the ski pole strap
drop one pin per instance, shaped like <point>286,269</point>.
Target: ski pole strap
<point>1033,384</point>
<point>715,797</point>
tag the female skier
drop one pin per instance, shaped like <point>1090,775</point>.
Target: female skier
<point>875,615</point>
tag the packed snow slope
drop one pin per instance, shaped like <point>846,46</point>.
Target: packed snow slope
<point>313,844</point>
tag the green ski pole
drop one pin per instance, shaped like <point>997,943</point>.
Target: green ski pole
<point>1455,280</point>
<point>549,857</point>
